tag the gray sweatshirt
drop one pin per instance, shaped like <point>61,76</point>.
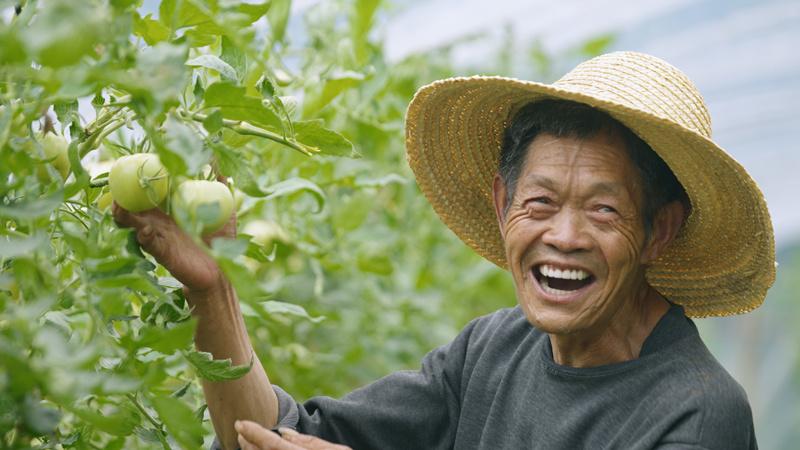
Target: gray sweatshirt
<point>496,386</point>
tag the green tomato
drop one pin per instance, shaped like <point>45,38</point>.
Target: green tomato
<point>266,233</point>
<point>104,201</point>
<point>138,182</point>
<point>55,151</point>
<point>204,204</point>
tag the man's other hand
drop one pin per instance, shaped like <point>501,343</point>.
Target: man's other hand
<point>253,436</point>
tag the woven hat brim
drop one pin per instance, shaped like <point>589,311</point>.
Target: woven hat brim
<point>721,263</point>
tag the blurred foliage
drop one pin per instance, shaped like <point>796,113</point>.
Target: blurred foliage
<point>343,271</point>
<point>348,275</point>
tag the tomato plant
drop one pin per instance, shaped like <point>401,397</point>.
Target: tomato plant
<point>96,343</point>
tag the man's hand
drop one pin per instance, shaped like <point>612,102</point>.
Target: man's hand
<point>253,436</point>
<point>173,248</point>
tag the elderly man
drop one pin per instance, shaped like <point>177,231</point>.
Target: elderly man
<point>617,217</point>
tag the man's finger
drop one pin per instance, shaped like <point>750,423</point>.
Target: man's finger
<point>261,438</point>
<point>123,217</point>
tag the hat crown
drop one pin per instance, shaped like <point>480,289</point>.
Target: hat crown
<point>642,82</point>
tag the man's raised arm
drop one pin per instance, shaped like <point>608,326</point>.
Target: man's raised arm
<point>220,325</point>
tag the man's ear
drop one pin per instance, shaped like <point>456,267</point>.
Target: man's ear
<point>666,225</point>
<point>500,200</point>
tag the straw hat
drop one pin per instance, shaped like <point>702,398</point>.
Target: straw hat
<point>723,260</point>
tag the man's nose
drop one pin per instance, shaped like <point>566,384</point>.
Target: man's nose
<point>567,232</point>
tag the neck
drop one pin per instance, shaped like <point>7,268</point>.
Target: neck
<point>619,340</point>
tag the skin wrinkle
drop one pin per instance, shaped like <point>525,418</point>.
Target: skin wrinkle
<point>558,213</point>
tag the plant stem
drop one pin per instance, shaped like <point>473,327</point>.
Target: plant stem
<point>150,419</point>
<point>99,183</point>
<point>244,128</point>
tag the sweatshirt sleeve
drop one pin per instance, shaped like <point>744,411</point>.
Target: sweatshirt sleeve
<point>406,409</point>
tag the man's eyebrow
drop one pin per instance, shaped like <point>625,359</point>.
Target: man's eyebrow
<point>605,187</point>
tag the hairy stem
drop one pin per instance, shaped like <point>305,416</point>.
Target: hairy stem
<point>247,129</point>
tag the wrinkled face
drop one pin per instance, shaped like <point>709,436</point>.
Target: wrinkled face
<point>574,235</point>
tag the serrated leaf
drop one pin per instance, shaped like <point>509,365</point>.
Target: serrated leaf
<point>234,104</point>
<point>180,421</point>
<point>214,63</point>
<point>212,369</point>
<point>151,30</point>
<point>168,341</point>
<point>312,133</point>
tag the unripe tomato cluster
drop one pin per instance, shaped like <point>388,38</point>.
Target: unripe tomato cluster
<point>140,182</point>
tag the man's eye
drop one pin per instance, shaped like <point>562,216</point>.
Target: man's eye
<point>606,209</point>
<point>541,200</point>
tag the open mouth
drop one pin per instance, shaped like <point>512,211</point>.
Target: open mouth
<point>560,282</point>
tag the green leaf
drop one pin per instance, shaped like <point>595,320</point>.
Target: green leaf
<point>234,104</point>
<point>38,418</point>
<point>234,56</point>
<point>229,248</point>
<point>117,423</point>
<point>253,11</point>
<point>180,14</point>
<point>27,208</point>
<point>276,307</point>
<point>12,247</point>
<point>294,185</point>
<point>67,112</point>
<point>213,122</point>
<point>375,262</point>
<point>278,16</point>
<point>212,369</point>
<point>597,45</point>
<point>214,63</point>
<point>332,87</point>
<point>151,30</point>
<point>180,421</point>
<point>158,77</point>
<point>168,341</point>
<point>54,37</point>
<point>313,134</point>
<point>184,143</point>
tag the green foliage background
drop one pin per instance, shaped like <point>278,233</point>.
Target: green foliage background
<point>362,278</point>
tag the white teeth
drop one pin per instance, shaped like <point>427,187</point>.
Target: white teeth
<point>552,291</point>
<point>574,274</point>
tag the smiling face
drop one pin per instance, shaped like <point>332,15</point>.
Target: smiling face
<point>574,235</point>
